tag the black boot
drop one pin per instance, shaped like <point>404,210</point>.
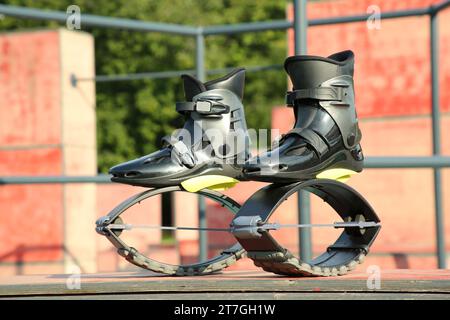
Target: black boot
<point>210,149</point>
<point>324,142</point>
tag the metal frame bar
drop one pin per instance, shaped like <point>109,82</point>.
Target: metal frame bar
<point>303,197</point>
<point>436,134</point>
<point>247,27</point>
<point>424,162</point>
<point>201,75</point>
<point>300,27</point>
<point>98,21</point>
<point>364,17</point>
<point>167,74</point>
<point>185,30</point>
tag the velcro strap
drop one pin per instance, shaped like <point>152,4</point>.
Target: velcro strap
<point>183,107</point>
<point>311,137</point>
<point>319,93</point>
<point>205,107</point>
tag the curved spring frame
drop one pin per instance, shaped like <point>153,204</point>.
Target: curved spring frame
<point>349,249</point>
<point>226,258</point>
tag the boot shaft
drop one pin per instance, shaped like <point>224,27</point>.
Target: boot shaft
<point>217,114</point>
<point>326,83</point>
<point>311,71</point>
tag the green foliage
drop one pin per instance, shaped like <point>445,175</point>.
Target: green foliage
<point>132,116</point>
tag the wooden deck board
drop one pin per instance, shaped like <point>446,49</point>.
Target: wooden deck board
<point>244,296</point>
<point>395,284</point>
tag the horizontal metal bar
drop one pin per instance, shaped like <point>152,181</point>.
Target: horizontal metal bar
<point>167,74</point>
<point>136,76</point>
<point>369,163</point>
<point>99,21</point>
<point>364,17</point>
<point>285,24</point>
<point>102,178</point>
<point>407,162</point>
<point>146,226</point>
<point>248,69</point>
<point>247,27</point>
<point>266,226</point>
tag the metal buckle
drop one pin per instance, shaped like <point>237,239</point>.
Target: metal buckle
<point>203,106</point>
<point>211,106</point>
<point>184,154</point>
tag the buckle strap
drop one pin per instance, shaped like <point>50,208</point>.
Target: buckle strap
<point>181,150</point>
<point>311,137</point>
<point>184,154</point>
<point>204,107</point>
<point>319,93</point>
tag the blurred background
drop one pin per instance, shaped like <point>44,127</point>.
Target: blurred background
<point>76,101</point>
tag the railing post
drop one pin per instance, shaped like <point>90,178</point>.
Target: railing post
<point>304,214</point>
<point>436,127</point>
<point>300,27</point>
<point>200,70</point>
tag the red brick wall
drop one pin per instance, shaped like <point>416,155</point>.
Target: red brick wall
<point>29,145</point>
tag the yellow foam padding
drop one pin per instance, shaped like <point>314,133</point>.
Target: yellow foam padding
<point>341,175</point>
<point>213,182</point>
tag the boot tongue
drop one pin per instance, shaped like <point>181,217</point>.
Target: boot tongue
<point>192,86</point>
<point>234,81</point>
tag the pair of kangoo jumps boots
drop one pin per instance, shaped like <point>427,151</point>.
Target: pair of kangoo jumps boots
<point>211,152</point>
<point>325,135</point>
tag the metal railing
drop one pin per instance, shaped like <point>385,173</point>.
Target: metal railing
<point>300,25</point>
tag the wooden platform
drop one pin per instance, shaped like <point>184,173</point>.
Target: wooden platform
<point>395,284</point>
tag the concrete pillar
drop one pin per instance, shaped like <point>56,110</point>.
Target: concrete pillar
<point>78,137</point>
